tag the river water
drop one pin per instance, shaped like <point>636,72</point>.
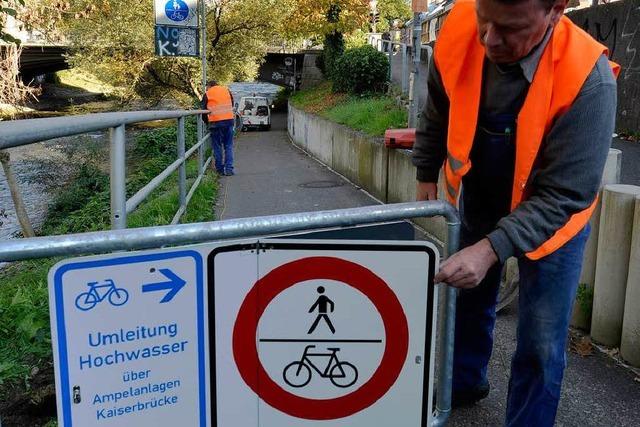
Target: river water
<point>250,88</point>
<point>43,167</point>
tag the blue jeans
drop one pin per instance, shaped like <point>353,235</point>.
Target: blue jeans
<point>222,144</point>
<point>547,291</point>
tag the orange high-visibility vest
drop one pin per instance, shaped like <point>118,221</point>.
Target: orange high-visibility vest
<point>566,62</point>
<point>219,103</point>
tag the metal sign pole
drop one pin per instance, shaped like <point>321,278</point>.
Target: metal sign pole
<point>416,46</point>
<point>203,52</point>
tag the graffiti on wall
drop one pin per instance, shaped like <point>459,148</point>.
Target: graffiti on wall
<point>607,37</point>
<point>631,40</point>
<point>616,26</point>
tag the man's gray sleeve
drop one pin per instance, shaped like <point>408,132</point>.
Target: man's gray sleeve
<point>567,173</point>
<point>430,148</point>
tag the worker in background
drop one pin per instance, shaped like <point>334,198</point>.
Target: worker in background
<point>520,112</point>
<point>219,101</point>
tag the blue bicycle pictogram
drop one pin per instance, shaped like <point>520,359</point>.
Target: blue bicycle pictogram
<point>176,10</point>
<point>99,292</point>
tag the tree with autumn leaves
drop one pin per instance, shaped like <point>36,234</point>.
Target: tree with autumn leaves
<point>115,42</point>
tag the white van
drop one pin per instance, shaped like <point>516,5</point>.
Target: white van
<point>255,112</point>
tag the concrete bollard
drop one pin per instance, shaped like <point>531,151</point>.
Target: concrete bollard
<point>630,345</point>
<point>581,317</point>
<point>612,265</point>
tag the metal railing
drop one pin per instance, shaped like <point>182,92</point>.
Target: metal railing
<point>161,236</point>
<point>23,132</point>
<point>16,133</point>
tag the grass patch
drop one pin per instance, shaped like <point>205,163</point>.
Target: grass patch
<point>371,114</point>
<point>78,79</point>
<point>25,336</point>
<point>584,298</point>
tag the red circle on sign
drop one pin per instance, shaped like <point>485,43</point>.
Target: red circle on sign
<point>245,351</point>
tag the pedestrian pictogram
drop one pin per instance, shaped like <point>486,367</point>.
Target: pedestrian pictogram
<point>323,305</point>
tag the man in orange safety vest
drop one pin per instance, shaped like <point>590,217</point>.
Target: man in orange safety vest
<point>219,101</point>
<point>520,112</point>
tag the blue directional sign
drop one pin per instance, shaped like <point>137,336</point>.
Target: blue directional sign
<point>129,340</point>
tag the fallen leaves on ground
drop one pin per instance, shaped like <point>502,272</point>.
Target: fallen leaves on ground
<point>581,346</point>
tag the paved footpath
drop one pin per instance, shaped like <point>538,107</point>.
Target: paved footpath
<point>273,177</point>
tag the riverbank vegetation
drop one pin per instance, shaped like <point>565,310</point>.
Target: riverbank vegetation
<point>27,394</point>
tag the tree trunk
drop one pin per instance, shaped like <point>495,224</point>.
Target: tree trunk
<point>21,212</point>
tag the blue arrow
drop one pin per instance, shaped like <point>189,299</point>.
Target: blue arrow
<point>174,285</point>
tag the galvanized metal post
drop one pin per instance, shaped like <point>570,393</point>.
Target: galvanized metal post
<point>389,57</point>
<point>447,332</point>
<point>200,150</point>
<point>118,178</point>
<point>201,127</point>
<point>182,171</point>
<point>203,37</point>
<point>405,69</point>
<point>416,50</point>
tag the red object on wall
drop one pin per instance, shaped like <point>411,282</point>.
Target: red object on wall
<point>400,138</point>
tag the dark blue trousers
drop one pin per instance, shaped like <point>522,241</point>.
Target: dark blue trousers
<point>222,144</point>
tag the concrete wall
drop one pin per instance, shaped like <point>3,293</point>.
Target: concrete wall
<point>311,74</point>
<point>616,25</point>
<point>387,174</point>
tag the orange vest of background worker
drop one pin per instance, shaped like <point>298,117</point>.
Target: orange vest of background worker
<point>219,101</point>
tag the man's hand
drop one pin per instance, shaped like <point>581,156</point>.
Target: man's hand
<point>426,191</point>
<point>467,268</point>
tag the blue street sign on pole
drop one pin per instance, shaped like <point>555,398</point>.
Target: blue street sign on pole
<point>182,13</point>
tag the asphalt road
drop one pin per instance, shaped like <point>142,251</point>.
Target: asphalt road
<point>275,177</point>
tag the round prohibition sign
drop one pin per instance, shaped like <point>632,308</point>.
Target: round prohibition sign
<point>245,351</point>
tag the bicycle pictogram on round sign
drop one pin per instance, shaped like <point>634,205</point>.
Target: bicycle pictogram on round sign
<point>320,357</point>
<point>342,374</point>
<point>176,10</point>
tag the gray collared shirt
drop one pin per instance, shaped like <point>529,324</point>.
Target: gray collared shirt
<point>529,64</point>
<point>568,170</point>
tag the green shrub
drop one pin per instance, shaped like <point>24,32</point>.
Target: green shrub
<point>361,70</point>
